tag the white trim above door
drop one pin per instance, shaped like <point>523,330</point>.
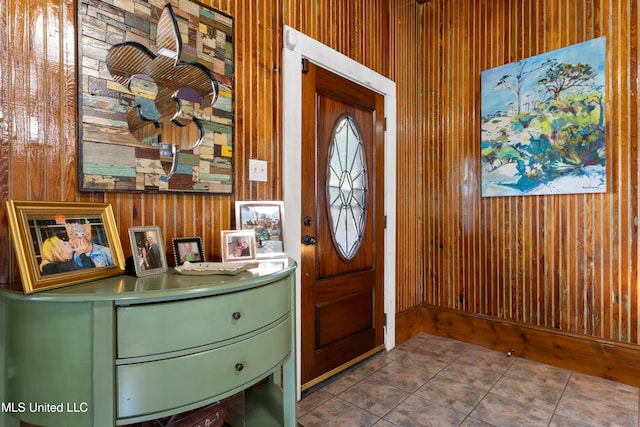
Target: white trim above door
<point>297,47</point>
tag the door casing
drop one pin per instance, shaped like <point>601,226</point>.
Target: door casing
<point>298,46</point>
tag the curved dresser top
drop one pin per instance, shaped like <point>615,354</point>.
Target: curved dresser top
<point>126,289</point>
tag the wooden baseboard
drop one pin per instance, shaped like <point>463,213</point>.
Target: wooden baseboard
<point>606,359</point>
<point>409,324</point>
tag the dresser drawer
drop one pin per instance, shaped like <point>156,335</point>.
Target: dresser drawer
<point>164,327</point>
<point>151,387</point>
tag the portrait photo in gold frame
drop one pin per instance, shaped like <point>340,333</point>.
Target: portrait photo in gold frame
<point>63,243</point>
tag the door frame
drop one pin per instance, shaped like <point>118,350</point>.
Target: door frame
<point>298,46</point>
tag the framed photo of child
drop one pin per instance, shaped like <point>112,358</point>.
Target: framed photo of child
<point>238,245</point>
<point>187,249</point>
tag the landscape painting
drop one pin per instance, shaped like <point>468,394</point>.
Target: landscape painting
<point>543,123</point>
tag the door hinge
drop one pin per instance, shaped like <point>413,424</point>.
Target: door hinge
<point>384,124</point>
<point>305,65</point>
<point>385,222</point>
<point>385,320</point>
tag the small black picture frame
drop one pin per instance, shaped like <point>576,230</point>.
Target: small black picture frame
<point>187,249</point>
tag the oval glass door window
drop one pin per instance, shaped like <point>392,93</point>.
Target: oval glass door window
<point>347,187</point>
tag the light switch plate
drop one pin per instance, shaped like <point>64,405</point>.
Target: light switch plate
<point>257,170</point>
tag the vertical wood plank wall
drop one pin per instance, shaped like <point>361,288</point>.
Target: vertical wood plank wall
<point>566,262</point>
<point>38,114</point>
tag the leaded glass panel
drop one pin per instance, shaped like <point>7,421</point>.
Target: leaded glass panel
<point>347,187</point>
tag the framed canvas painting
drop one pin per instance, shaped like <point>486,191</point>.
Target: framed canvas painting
<point>543,123</point>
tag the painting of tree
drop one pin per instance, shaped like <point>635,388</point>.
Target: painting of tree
<point>543,123</point>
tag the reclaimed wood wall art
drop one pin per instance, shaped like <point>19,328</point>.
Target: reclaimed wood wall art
<point>156,89</point>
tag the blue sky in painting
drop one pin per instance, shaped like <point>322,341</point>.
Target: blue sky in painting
<point>592,52</point>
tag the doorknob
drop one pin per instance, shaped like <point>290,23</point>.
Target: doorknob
<point>309,240</point>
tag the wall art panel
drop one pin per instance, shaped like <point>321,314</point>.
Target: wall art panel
<point>156,89</point>
<point>543,123</point>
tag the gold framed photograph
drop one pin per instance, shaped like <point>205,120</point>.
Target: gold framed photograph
<point>265,218</point>
<point>187,249</point>
<point>64,243</point>
<point>148,250</point>
<point>238,245</point>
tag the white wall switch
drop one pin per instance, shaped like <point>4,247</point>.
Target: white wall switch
<point>257,170</point>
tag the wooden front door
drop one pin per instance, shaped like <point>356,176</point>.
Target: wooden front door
<point>342,257</point>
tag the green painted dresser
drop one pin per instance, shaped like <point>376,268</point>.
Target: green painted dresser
<point>122,350</point>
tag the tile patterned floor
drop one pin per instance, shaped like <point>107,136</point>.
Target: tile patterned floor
<point>434,381</point>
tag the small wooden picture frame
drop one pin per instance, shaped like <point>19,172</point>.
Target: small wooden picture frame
<point>238,245</point>
<point>187,249</point>
<point>148,250</point>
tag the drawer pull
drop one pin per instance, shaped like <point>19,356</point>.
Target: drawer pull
<point>239,367</point>
<point>236,315</point>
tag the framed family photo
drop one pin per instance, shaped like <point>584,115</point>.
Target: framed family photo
<point>148,250</point>
<point>64,243</point>
<point>187,249</point>
<point>265,219</point>
<point>238,245</point>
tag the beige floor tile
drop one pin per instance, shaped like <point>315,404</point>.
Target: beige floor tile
<point>503,412</point>
<point>403,376</point>
<point>452,394</point>
<point>338,413</point>
<point>374,396</point>
<point>417,412</point>
<point>596,412</point>
<point>435,381</point>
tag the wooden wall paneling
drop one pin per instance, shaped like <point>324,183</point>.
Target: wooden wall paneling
<point>243,38</point>
<point>474,249</point>
<point>51,144</point>
<point>269,145</point>
<point>252,84</point>
<point>450,160</point>
<point>430,53</point>
<point>40,113</point>
<point>413,208</point>
<point>586,296</point>
<point>35,91</point>
<point>619,96</point>
<point>567,262</point>
<point>19,46</point>
<point>631,136</point>
<point>410,148</point>
<point>6,145</point>
<point>634,120</point>
<point>467,167</point>
<point>411,167</point>
<point>122,211</point>
<point>629,127</point>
